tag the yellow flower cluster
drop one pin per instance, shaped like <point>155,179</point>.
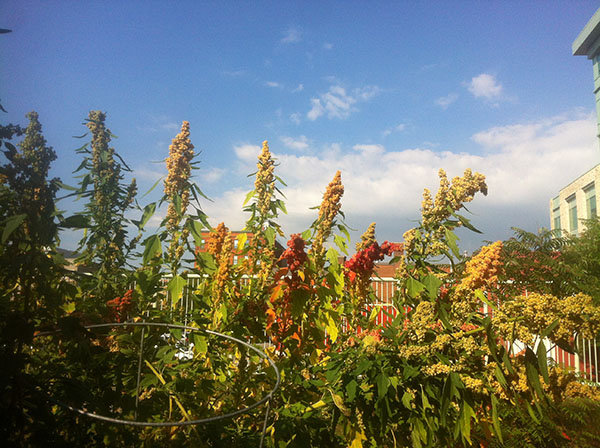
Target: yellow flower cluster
<point>437,369</point>
<point>529,315</point>
<point>451,197</point>
<point>220,246</point>
<point>329,209</point>
<point>181,153</point>
<point>481,272</point>
<point>265,179</point>
<point>367,238</point>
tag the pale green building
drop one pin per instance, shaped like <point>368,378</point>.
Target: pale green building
<point>577,200</point>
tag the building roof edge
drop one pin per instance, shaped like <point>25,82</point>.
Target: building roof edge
<point>590,33</point>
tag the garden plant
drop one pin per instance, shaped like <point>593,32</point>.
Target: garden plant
<point>462,359</point>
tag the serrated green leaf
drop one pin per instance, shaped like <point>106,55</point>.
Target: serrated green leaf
<point>332,257</point>
<point>432,285</point>
<point>451,239</point>
<point>340,242</point>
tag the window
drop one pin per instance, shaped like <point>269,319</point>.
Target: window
<point>572,205</point>
<point>556,216</point>
<point>236,243</point>
<point>590,200</point>
<point>235,259</point>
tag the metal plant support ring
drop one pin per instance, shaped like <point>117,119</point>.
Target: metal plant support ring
<point>263,355</point>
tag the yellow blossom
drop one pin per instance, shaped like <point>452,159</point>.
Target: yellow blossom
<point>329,209</point>
<point>265,179</point>
<point>366,238</point>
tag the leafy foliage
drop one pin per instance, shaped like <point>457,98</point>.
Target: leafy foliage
<point>462,360</point>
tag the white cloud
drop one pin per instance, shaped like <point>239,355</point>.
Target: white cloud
<point>445,101</point>
<point>300,88</point>
<point>299,144</point>
<point>338,103</point>
<point>291,36</point>
<point>211,175</point>
<point>295,118</point>
<point>369,149</point>
<point>150,174</point>
<point>398,128</point>
<point>486,86</point>
<point>247,153</point>
<point>316,110</point>
<point>525,165</point>
<point>273,84</point>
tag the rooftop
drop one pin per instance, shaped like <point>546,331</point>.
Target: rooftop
<point>588,41</point>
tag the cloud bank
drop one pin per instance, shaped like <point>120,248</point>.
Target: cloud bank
<point>525,165</point>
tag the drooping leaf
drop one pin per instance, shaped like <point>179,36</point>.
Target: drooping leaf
<point>175,289</point>
<point>153,247</point>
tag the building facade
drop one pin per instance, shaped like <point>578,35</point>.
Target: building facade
<point>577,201</point>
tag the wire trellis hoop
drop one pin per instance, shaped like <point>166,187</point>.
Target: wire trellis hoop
<point>144,325</point>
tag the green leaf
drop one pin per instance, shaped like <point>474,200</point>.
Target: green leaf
<point>148,212</point>
<point>75,222</point>
<point>549,329</point>
<point>542,358</point>
<point>153,247</point>
<point>465,222</point>
<point>65,186</point>
<point>407,400</point>
<point>175,288</point>
<point>351,390</point>
<point>344,230</point>
<point>531,367</point>
<point>11,224</point>
<point>466,413</point>
<point>332,256</point>
<point>249,196</point>
<point>383,383</point>
<point>306,234</point>
<point>207,261</point>
<point>200,343</point>
<point>152,188</point>
<point>451,239</point>
<point>414,287</point>
<point>196,231</point>
<point>270,235</point>
<point>495,419</point>
<point>432,285</point>
<point>340,242</point>
<point>281,206</point>
<point>481,296</point>
<point>299,297</point>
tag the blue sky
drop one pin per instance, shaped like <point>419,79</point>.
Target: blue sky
<point>387,92</point>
